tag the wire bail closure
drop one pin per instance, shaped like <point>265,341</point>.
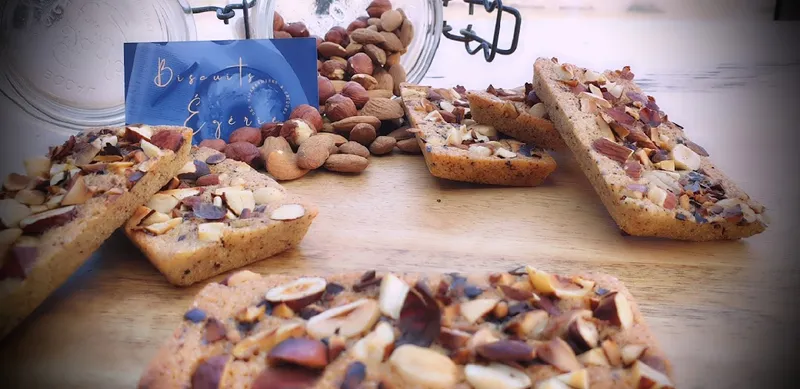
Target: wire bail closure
<point>227,13</point>
<point>490,50</point>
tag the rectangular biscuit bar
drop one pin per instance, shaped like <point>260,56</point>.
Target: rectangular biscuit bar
<point>70,201</point>
<point>217,215</point>
<point>517,113</point>
<point>456,148</point>
<point>651,177</point>
<point>519,329</point>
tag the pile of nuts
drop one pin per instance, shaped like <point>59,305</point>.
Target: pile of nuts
<point>359,74</point>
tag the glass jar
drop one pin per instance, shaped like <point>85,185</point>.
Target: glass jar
<point>63,59</point>
<point>320,15</point>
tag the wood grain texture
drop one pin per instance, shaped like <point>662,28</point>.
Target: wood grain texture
<point>720,309</point>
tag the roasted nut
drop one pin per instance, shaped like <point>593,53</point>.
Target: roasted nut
<point>410,146</point>
<point>313,153</point>
<point>274,143</point>
<point>288,212</point>
<point>594,357</point>
<point>297,131</point>
<point>391,20</point>
<point>384,79</point>
<point>244,152</point>
<point>424,367</point>
<point>326,90</point>
<point>380,93</point>
<point>304,352</point>
<point>615,308</point>
<point>496,376</point>
<point>333,70</point>
<point>282,166</point>
<point>34,197</point>
<point>355,374</point>
<point>398,74</point>
<point>365,36</point>
<point>377,7</point>
<point>361,22</point>
<point>330,49</point>
<point>360,64</point>
<point>339,107</point>
<point>168,140</point>
<point>338,85</point>
<point>209,373</point>
<point>346,163</point>
<point>215,144</point>
<point>401,133</point>
<point>297,30</point>
<point>374,22</point>
<point>355,92</point>
<point>41,222</point>
<point>382,145</point>
<point>348,320</point>
<point>365,80</point>
<point>583,334</point>
<point>375,53</point>
<point>392,44</point>
<point>353,48</point>
<point>507,351</point>
<point>277,22</point>
<point>318,39</point>
<point>309,114</point>
<point>208,180</point>
<point>270,129</point>
<point>15,182</point>
<point>645,376</point>
<point>393,59</point>
<point>354,148</point>
<point>363,133</point>
<point>558,354</point>
<point>474,310</point>
<point>347,125</point>
<point>631,353</point>
<point>338,35</point>
<point>246,134</point>
<point>383,109</point>
<point>281,35</point>
<point>406,33</point>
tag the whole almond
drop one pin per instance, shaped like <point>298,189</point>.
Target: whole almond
<point>346,163</point>
<point>398,74</point>
<point>406,33</point>
<point>393,43</point>
<point>366,36</point>
<point>380,93</point>
<point>382,145</point>
<point>365,80</point>
<point>346,125</point>
<point>354,148</point>
<point>363,133</point>
<point>410,146</point>
<point>391,20</point>
<point>383,109</point>
<point>283,166</point>
<point>330,49</point>
<point>336,139</point>
<point>274,143</point>
<point>353,48</point>
<point>375,53</point>
<point>384,79</point>
<point>393,59</point>
<point>401,133</point>
<point>313,152</point>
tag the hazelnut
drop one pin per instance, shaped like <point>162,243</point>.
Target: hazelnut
<point>214,144</point>
<point>297,30</point>
<point>360,64</point>
<point>332,69</point>
<point>357,93</point>
<point>270,129</point>
<point>244,152</point>
<point>246,134</point>
<point>296,131</point>
<point>339,107</point>
<point>319,65</point>
<point>365,80</point>
<point>309,114</point>
<point>281,35</point>
<point>319,40</point>
<point>330,49</point>
<point>277,22</point>
<point>326,89</point>
<point>340,60</point>
<point>358,23</point>
<point>363,133</point>
<point>338,35</point>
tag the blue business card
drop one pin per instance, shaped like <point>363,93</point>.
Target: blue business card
<point>216,87</point>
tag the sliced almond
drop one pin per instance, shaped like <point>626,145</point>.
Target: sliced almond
<point>645,376</point>
<point>504,153</point>
<point>476,309</point>
<point>597,100</point>
<point>668,165</point>
<point>559,354</point>
<point>614,307</point>
<point>30,197</point>
<point>347,320</point>
<point>163,228</point>
<point>154,218</point>
<point>552,383</point>
<point>37,167</point>
<point>548,284</point>
<point>163,203</point>
<point>375,347</point>
<point>605,129</point>
<point>528,324</point>
<point>7,238</point>
<point>577,379</point>
<point>631,353</point>
<point>263,342</point>
<point>268,195</point>
<point>424,367</point>
<point>79,193</point>
<point>298,293</point>
<point>393,293</point>
<point>288,212</point>
<point>496,376</point>
<point>54,201</point>
<point>656,195</point>
<point>685,158</point>
<point>41,222</point>
<point>15,182</point>
<point>138,132</point>
<point>181,194</point>
<point>485,130</point>
<point>211,232</point>
<point>594,357</point>
<point>238,201</point>
<point>564,72</point>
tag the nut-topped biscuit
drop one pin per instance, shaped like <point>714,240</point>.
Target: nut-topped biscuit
<point>521,329</point>
<point>517,113</point>
<point>217,215</point>
<point>455,147</point>
<point>70,201</point>
<point>651,177</point>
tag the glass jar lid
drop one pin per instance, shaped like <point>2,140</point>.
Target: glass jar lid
<point>320,15</point>
<point>64,58</point>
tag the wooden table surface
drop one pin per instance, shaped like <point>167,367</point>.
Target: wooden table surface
<point>719,309</point>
